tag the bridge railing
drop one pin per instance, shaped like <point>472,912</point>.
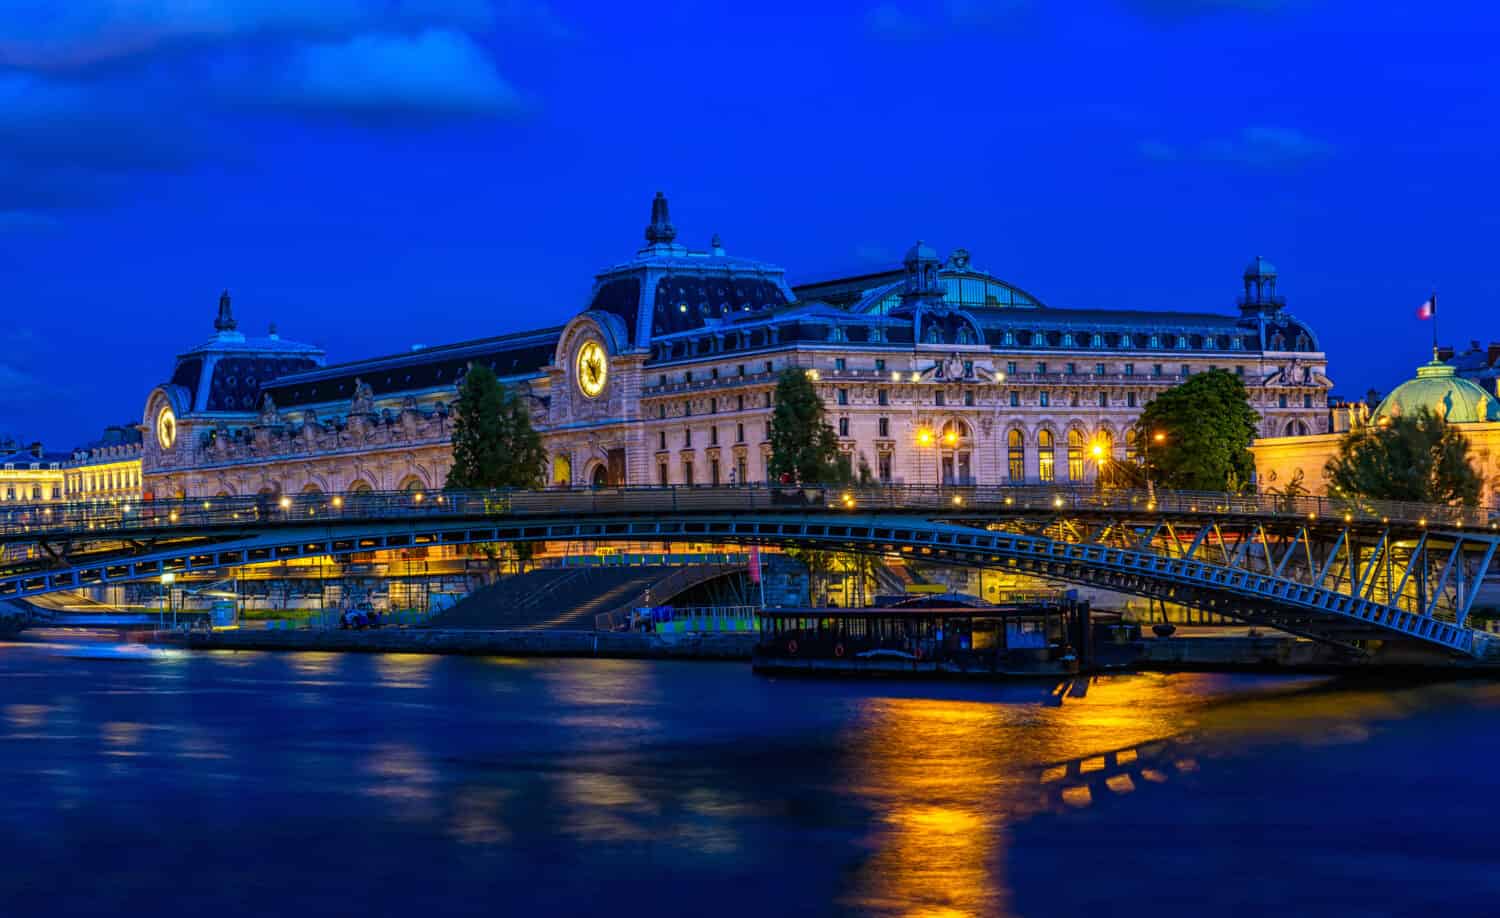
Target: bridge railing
<point>126,517</point>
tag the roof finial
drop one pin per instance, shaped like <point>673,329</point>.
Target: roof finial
<point>716,245</point>
<point>225,321</point>
<point>661,229</point>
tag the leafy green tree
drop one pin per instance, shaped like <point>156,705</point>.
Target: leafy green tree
<point>1415,457</point>
<point>494,444</point>
<point>802,442</point>
<point>1206,425</point>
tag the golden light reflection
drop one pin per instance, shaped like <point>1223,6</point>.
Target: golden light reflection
<point>405,670</point>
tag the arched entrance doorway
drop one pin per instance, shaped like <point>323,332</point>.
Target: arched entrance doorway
<point>957,467</point>
<point>600,476</point>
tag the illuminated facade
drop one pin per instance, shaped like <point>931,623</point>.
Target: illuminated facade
<point>109,469</point>
<point>1438,387</point>
<point>933,372</point>
<point>29,475</point>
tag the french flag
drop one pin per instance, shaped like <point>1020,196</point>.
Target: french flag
<point>1428,309</point>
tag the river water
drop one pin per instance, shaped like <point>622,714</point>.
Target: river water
<point>229,784</point>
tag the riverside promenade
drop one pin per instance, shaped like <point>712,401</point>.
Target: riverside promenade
<point>519,643</point>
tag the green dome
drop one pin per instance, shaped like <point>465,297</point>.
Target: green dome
<point>1445,394</point>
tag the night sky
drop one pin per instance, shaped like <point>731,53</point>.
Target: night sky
<point>371,174</point>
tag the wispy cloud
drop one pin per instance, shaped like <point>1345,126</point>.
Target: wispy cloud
<point>1258,146</point>
<point>434,73</point>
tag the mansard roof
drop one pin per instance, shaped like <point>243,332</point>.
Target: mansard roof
<point>514,356</point>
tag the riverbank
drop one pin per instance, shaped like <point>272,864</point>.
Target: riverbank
<point>622,645</point>
<point>1216,653</point>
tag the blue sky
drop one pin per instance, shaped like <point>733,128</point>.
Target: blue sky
<point>370,174</point>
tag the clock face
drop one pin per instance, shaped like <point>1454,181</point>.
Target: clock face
<point>166,428</point>
<point>591,369</point>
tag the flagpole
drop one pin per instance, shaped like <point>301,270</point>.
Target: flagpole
<point>1434,328</point>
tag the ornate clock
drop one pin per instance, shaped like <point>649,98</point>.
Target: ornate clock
<point>166,428</point>
<point>591,369</point>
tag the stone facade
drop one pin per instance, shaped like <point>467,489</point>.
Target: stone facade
<point>933,373</point>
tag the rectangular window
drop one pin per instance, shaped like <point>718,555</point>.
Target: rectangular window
<point>1046,460</point>
<point>741,403</point>
<point>1010,368</point>
<point>1015,400</point>
<point>663,443</point>
<point>880,364</point>
<point>687,409</point>
<point>1129,369</point>
<point>883,397</point>
<point>661,474</point>
<point>1307,401</point>
<point>661,410</point>
<point>739,433</point>
<point>1129,399</point>
<point>843,427</point>
<point>713,406</point>
<point>1072,369</point>
<point>843,396</point>
<point>938,398</point>
<point>1041,368</point>
<point>839,363</point>
<point>1103,399</point>
<point>1043,399</point>
<point>1155,369</point>
<point>937,370</point>
<point>713,472</point>
<point>663,380</point>
<point>968,369</point>
<point>885,468</point>
<point>742,465</point>
<point>713,435</point>
<point>1187,370</point>
<point>1281,401</point>
<point>687,471</point>
<point>884,427</point>
<point>1098,369</point>
<point>742,369</point>
<point>688,376</point>
<point>687,437</point>
<point>714,373</point>
<point>1239,370</point>
<point>770,367</point>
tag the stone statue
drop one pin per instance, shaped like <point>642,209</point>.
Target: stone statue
<point>363,401</point>
<point>268,412</point>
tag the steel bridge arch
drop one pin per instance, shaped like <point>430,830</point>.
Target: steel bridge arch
<point>1316,611</point>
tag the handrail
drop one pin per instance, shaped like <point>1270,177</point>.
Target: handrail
<point>124,518</point>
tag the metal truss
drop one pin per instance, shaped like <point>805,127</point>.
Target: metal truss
<point>1340,584</point>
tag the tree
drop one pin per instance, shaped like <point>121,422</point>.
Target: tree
<point>494,444</point>
<point>1415,457</point>
<point>1207,425</point>
<point>802,442</point>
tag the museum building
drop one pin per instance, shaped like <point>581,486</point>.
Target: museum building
<point>933,372</point>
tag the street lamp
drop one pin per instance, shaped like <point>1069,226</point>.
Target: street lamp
<point>1157,436</point>
<point>167,580</point>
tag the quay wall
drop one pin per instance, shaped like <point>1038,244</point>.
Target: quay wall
<point>706,646</point>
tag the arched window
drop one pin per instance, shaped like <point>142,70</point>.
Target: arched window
<point>1015,443</point>
<point>311,488</point>
<point>360,486</point>
<point>1076,446</point>
<point>562,471</point>
<point>1046,449</point>
<point>1130,447</point>
<point>1296,428</point>
<point>955,432</point>
<point>411,484</point>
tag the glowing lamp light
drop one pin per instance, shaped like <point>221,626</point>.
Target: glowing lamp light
<point>1097,450</point>
<point>1422,521</point>
<point>958,500</point>
<point>285,502</point>
<point>895,376</point>
<point>950,438</point>
<point>168,578</point>
<point>338,502</point>
<point>1158,436</point>
<point>915,376</point>
<point>417,497</point>
<point>848,500</point>
<point>1057,501</point>
<point>924,437</point>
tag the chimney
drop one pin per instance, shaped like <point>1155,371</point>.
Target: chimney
<point>36,449</point>
<point>1445,352</point>
<point>1493,353</point>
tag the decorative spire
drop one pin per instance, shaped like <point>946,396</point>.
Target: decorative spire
<point>225,321</point>
<point>716,245</point>
<point>661,230</point>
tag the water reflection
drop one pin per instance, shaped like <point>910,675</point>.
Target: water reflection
<point>579,785</point>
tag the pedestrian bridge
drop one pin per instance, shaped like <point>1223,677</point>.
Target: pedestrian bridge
<point>1344,572</point>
